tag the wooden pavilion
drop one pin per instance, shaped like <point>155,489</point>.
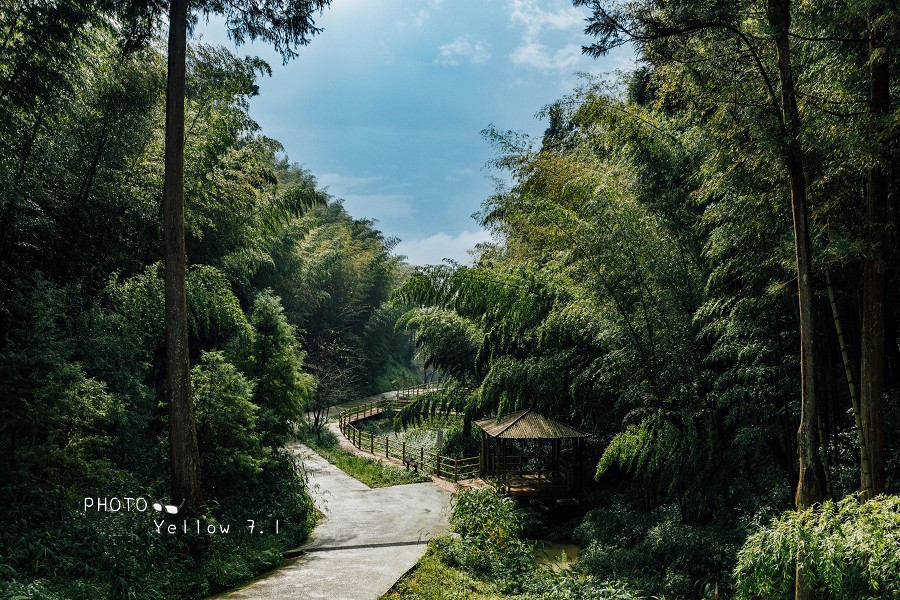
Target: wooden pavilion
<point>524,453</point>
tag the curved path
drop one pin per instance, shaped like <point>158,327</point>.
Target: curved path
<point>367,539</point>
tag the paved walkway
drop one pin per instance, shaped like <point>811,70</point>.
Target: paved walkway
<point>367,540</point>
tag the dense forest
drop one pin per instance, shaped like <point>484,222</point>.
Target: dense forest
<point>697,265</point>
<point>286,297</point>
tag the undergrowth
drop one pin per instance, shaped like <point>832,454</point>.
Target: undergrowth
<point>488,558</point>
<point>55,549</point>
<point>849,550</point>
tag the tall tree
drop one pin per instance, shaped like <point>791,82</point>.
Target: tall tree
<point>286,23</point>
<point>810,488</point>
<point>872,360</point>
<point>184,457</point>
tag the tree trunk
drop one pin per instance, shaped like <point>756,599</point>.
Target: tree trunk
<point>184,457</point>
<point>872,359</point>
<point>810,489</point>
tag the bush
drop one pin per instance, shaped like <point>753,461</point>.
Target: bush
<point>491,550</point>
<point>661,555</point>
<point>490,526</point>
<point>230,448</point>
<point>58,550</point>
<point>576,587</point>
<point>487,517</point>
<point>850,551</point>
<point>459,443</point>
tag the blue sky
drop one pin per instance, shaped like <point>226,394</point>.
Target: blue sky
<point>386,106</point>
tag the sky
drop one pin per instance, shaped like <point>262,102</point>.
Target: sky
<point>386,106</point>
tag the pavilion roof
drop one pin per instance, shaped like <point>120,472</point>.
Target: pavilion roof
<point>527,424</point>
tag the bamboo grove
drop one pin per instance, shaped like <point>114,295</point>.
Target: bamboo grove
<point>644,282</point>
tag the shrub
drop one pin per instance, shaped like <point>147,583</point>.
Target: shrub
<point>230,447</point>
<point>849,550</point>
<point>490,547</point>
<point>660,555</point>
<point>282,388</point>
<point>490,527</point>
<point>487,517</point>
<point>576,587</point>
<point>460,443</point>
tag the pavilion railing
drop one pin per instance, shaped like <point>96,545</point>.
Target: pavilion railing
<point>518,472</point>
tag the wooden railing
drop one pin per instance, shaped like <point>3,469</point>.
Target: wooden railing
<point>411,392</point>
<point>427,461</point>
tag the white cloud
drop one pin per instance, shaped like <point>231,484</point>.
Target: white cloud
<point>434,248</point>
<point>418,18</point>
<point>532,51</point>
<point>422,16</point>
<point>542,58</point>
<point>535,19</point>
<point>461,49</point>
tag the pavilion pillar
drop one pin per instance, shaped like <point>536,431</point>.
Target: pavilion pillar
<point>554,457</point>
<point>576,452</point>
<point>503,465</point>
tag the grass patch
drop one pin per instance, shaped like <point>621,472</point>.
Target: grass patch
<point>371,471</point>
<point>434,578</point>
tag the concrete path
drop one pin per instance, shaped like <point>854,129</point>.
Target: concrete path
<point>367,540</point>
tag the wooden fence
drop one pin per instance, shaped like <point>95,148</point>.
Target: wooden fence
<point>427,461</point>
<point>410,393</point>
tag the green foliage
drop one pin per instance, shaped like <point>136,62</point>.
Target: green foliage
<point>370,471</point>
<point>581,587</point>
<point>642,290</point>
<point>664,452</point>
<point>660,556</point>
<point>396,376</point>
<point>422,435</point>
<point>491,559</point>
<point>81,308</point>
<point>460,443</point>
<point>57,422</point>
<point>447,572</point>
<point>644,285</point>
<point>435,406</point>
<point>847,549</point>
<point>227,433</point>
<point>282,389</point>
<point>71,553</point>
<point>491,545</point>
<point>215,318</point>
<point>333,274</point>
<point>489,519</point>
<point>389,350</point>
